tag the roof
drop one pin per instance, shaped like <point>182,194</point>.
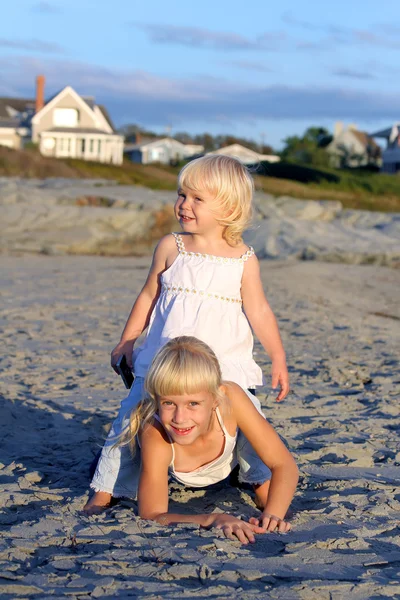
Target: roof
<point>150,142</point>
<point>89,101</point>
<point>18,104</point>
<point>245,155</point>
<point>364,138</point>
<point>385,133</point>
<point>106,115</point>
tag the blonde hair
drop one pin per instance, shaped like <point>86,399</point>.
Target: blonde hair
<point>185,365</point>
<point>230,183</point>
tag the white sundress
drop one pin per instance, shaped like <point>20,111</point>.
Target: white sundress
<point>200,296</point>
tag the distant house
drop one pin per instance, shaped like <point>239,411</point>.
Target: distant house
<point>66,126</point>
<point>164,150</point>
<point>391,154</point>
<point>245,155</point>
<point>15,114</point>
<point>353,148</point>
<point>72,126</point>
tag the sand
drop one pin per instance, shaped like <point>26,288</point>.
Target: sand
<point>341,327</point>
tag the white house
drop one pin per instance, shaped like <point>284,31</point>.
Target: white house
<point>391,154</point>
<point>15,114</point>
<point>73,126</point>
<point>164,150</point>
<point>245,155</point>
<point>352,148</point>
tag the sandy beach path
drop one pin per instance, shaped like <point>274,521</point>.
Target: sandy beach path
<point>341,327</point>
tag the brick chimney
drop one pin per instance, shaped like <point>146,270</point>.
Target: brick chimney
<point>40,79</point>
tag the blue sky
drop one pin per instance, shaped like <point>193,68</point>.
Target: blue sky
<point>263,70</point>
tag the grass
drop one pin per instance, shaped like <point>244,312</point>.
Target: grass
<point>354,189</point>
<point>389,202</point>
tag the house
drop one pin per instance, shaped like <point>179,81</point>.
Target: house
<point>352,148</point>
<point>66,126</point>
<point>164,150</point>
<point>245,155</point>
<point>15,114</point>
<point>72,126</point>
<point>391,154</point>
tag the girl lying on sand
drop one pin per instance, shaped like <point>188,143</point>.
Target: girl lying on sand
<point>190,426</point>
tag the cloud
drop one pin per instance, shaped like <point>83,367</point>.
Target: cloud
<point>249,65</point>
<point>45,8</point>
<point>385,35</point>
<point>353,74</point>
<point>148,99</point>
<point>196,37</point>
<point>32,46</point>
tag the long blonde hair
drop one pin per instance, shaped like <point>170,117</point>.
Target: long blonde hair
<point>232,187</point>
<point>185,365</point>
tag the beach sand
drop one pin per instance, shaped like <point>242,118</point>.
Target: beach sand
<point>341,328</point>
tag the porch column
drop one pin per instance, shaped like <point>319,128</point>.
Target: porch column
<point>73,147</point>
<point>87,149</point>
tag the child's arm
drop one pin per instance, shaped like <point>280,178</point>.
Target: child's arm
<point>264,325</point>
<point>140,314</point>
<point>156,456</point>
<point>269,447</point>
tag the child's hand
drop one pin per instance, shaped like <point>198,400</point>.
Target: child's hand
<point>271,523</point>
<point>280,376</point>
<point>126,348</point>
<point>234,528</point>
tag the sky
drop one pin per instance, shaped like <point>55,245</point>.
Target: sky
<point>261,70</point>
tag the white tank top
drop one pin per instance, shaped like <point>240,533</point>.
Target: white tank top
<point>200,296</point>
<point>212,472</point>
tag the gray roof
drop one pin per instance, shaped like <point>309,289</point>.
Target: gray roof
<point>107,116</point>
<point>383,133</point>
<point>89,101</point>
<point>18,104</point>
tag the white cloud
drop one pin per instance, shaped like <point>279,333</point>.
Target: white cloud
<point>32,46</point>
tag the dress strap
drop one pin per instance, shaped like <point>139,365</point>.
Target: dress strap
<point>220,421</point>
<point>179,242</point>
<point>247,254</point>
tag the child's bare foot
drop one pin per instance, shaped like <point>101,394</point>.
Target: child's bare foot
<point>261,494</point>
<point>99,502</point>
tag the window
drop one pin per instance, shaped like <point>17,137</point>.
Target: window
<point>65,117</point>
<point>91,146</point>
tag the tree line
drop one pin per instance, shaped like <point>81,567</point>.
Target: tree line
<point>307,149</point>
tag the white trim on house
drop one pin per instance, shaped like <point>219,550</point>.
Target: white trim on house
<point>79,133</point>
<point>86,145</point>
<point>103,121</point>
<point>67,90</point>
